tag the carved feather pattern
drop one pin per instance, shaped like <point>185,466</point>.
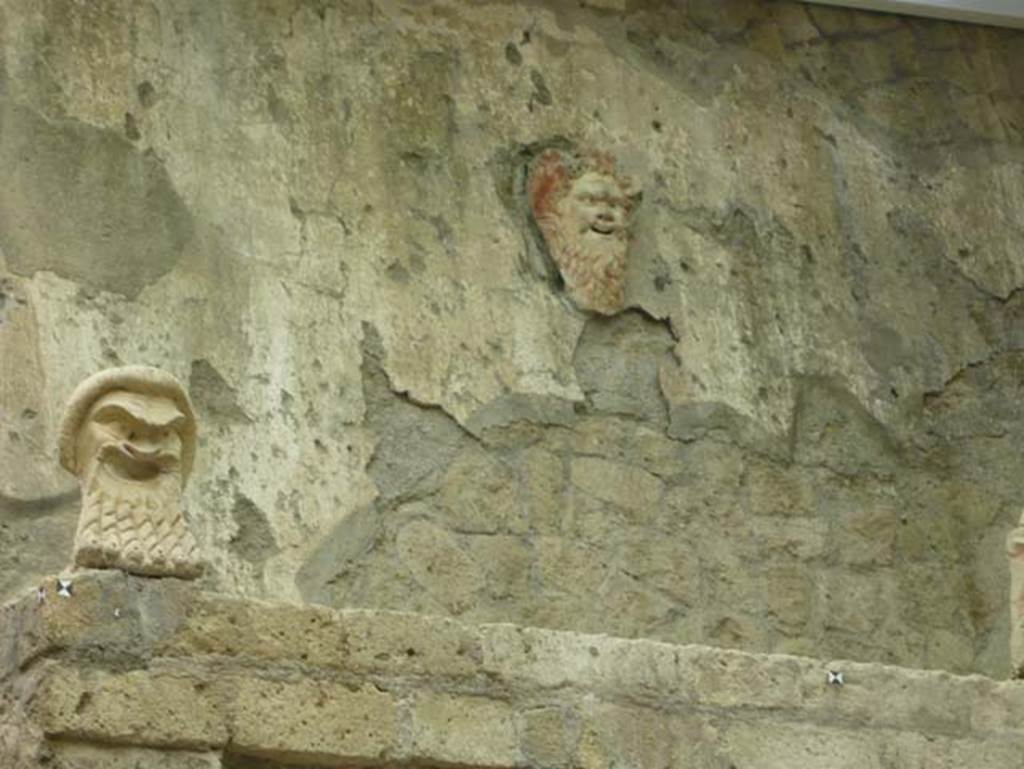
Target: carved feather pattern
<point>144,534</point>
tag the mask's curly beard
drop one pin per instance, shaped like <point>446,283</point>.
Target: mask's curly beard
<point>593,265</point>
<point>138,527</point>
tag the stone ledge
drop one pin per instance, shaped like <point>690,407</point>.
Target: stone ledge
<point>159,664</point>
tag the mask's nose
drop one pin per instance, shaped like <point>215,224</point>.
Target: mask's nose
<point>609,214</point>
<point>606,218</point>
<point>141,456</point>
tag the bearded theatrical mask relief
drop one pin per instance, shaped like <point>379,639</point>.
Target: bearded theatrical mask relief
<point>128,434</point>
<point>582,207</point>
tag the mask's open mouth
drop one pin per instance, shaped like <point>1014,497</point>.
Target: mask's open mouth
<point>602,229</point>
<point>135,464</point>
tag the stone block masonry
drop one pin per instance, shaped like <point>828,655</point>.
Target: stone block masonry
<point>132,672</point>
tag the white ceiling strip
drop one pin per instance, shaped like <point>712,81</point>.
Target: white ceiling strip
<point>1003,13</point>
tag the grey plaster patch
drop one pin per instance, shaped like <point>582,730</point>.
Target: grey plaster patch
<point>254,540</point>
<point>422,109</point>
<point>617,361</point>
<point>213,395</point>
<point>832,428</point>
<point>333,563</point>
<point>21,557</point>
<point>695,421</point>
<point>415,446</point>
<point>86,204</point>
<point>886,350</point>
<point>513,408</point>
<point>414,442</point>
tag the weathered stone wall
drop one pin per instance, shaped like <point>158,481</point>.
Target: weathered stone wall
<point>132,672</point>
<point>803,436</point>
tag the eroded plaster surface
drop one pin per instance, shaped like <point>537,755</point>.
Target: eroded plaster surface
<point>800,434</point>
